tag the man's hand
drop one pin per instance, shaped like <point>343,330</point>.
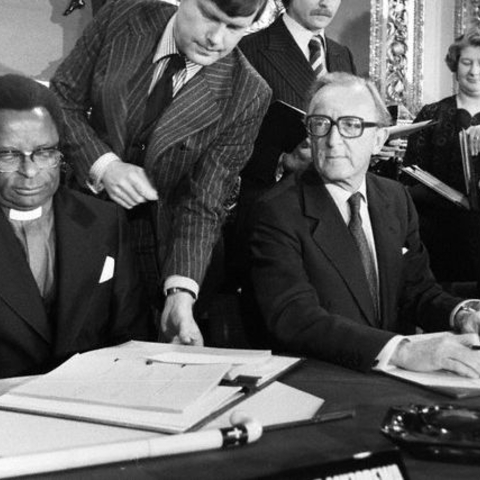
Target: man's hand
<point>177,324</point>
<point>299,159</point>
<point>447,352</point>
<point>467,321</point>
<point>128,185</point>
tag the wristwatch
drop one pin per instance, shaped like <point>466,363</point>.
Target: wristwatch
<point>174,290</point>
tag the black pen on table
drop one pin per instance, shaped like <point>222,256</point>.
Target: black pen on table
<point>326,417</point>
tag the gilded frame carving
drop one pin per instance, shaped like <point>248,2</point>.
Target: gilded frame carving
<point>467,13</point>
<point>396,51</point>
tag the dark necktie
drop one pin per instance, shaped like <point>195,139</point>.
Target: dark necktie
<point>316,55</point>
<point>356,230</point>
<point>162,93</point>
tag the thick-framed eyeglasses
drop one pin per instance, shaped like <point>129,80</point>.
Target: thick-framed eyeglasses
<point>43,158</point>
<point>348,127</point>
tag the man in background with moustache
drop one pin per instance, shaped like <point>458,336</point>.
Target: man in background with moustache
<point>290,54</point>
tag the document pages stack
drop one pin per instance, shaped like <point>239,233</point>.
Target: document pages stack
<point>150,386</point>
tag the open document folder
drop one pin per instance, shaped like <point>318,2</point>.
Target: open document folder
<point>128,386</point>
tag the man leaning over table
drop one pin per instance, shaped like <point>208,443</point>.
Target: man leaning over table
<point>339,269</point>
<point>174,167</point>
<point>68,281</point>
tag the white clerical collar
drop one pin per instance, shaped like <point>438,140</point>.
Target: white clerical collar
<point>24,215</point>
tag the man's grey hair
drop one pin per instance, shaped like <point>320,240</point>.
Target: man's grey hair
<point>384,118</point>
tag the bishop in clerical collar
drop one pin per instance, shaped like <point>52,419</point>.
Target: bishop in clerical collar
<point>68,280</point>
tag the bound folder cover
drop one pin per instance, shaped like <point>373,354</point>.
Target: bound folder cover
<point>470,170</point>
<point>284,125</point>
<point>437,185</point>
<point>137,385</point>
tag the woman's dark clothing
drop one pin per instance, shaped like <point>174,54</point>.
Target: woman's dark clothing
<point>450,233</point>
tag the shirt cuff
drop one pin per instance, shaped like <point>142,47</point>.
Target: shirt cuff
<point>98,169</point>
<point>178,281</point>
<point>386,353</point>
<point>280,170</point>
<point>472,304</point>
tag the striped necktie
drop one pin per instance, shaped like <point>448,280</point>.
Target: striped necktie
<point>316,49</point>
<point>366,255</point>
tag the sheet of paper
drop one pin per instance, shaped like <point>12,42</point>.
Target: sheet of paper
<point>435,379</point>
<point>150,386</point>
<point>189,358</point>
<point>439,378</point>
<point>23,433</point>
<point>277,403</point>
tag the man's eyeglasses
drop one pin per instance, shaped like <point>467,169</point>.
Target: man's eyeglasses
<point>348,127</point>
<point>11,160</point>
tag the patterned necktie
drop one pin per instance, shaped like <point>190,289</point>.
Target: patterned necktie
<point>316,55</point>
<point>356,230</point>
<point>162,94</point>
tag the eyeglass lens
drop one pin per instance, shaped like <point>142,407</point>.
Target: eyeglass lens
<point>11,160</point>
<point>349,127</point>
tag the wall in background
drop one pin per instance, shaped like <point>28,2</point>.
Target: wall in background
<point>351,27</point>
<point>35,36</point>
<point>438,81</point>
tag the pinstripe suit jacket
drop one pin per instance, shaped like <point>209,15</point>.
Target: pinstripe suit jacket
<point>277,57</point>
<point>197,147</point>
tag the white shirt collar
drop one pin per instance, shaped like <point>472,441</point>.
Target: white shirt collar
<point>340,197</point>
<point>300,34</point>
<point>166,45</point>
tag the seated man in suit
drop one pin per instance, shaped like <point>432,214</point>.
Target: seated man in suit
<point>68,282</point>
<point>284,54</point>
<point>339,270</point>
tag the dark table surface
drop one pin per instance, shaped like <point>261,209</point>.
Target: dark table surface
<point>369,394</point>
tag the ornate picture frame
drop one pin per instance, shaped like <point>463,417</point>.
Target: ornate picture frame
<point>396,51</point>
<point>467,13</point>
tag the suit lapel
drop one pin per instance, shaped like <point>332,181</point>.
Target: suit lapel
<point>194,108</point>
<point>334,58</point>
<point>80,260</point>
<point>130,70</point>
<point>333,238</point>
<point>388,247</point>
<point>285,56</point>
<point>17,285</point>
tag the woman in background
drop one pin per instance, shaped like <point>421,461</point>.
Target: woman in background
<point>451,233</point>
